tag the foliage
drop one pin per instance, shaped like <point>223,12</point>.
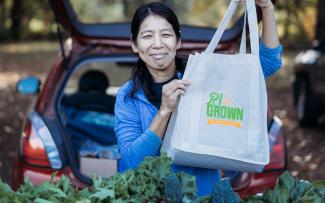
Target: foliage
<point>290,189</point>
<point>296,20</point>
<point>153,181</point>
<point>173,189</point>
<point>223,193</point>
<point>145,183</point>
<point>25,19</point>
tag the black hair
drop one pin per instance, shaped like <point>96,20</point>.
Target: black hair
<point>141,76</point>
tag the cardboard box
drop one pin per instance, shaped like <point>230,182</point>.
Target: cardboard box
<point>101,167</point>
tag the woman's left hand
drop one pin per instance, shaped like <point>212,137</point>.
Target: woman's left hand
<point>269,31</point>
<point>264,4</point>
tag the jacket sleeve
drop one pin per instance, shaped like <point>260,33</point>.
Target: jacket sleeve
<point>270,58</point>
<point>134,144</point>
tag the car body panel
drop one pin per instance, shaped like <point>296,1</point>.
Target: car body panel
<point>37,175</point>
<point>260,182</point>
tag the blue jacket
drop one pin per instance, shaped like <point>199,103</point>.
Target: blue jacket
<point>135,114</point>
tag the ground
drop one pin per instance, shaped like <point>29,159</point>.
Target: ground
<point>306,146</point>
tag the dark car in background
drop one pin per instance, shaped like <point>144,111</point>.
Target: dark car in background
<point>70,130</point>
<point>309,85</point>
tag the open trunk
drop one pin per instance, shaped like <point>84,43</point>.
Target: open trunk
<point>86,109</point>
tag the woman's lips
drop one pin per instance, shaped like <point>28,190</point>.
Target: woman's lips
<point>158,56</point>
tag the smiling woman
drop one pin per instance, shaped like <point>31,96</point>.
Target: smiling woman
<point>144,104</point>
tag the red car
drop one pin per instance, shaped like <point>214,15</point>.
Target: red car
<point>54,134</point>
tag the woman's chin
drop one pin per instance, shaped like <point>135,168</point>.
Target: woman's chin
<point>163,67</point>
<point>160,65</point>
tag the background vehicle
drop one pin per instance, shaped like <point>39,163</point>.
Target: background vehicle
<point>51,142</point>
<point>309,84</point>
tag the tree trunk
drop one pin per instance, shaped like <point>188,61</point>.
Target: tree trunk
<point>320,26</point>
<point>287,20</point>
<point>2,14</point>
<point>16,17</point>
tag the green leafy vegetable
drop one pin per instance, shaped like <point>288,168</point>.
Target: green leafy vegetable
<point>223,192</point>
<point>290,189</point>
<point>173,189</point>
<point>153,181</point>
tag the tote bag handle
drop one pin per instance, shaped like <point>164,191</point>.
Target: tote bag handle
<point>243,48</point>
<point>252,23</point>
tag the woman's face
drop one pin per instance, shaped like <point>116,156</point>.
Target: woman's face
<point>157,44</point>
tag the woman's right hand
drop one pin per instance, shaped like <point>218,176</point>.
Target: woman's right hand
<point>171,93</point>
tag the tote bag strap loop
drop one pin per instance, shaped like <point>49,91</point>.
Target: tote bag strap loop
<point>253,27</point>
<point>252,23</point>
<point>243,48</point>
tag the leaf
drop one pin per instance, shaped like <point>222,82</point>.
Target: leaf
<point>120,201</point>
<point>188,200</point>
<point>40,200</point>
<point>311,196</point>
<point>5,192</point>
<point>5,188</point>
<point>254,199</point>
<point>102,194</point>
<point>65,183</point>
<point>320,187</point>
<point>97,181</point>
<point>268,196</point>
<point>287,180</point>
<point>5,200</point>
<point>203,199</point>
<point>84,192</point>
<point>58,193</point>
<point>83,201</point>
<point>300,190</point>
<point>188,184</point>
<point>319,184</point>
<point>281,192</point>
<point>227,192</point>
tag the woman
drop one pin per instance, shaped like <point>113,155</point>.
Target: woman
<point>145,103</point>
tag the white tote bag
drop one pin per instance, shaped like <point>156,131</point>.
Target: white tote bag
<point>221,121</point>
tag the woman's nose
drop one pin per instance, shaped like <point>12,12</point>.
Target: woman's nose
<point>157,42</point>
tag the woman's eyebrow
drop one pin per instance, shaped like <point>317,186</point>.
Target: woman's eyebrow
<point>162,30</point>
<point>166,29</point>
<point>148,30</point>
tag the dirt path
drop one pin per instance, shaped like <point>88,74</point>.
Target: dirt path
<point>306,147</point>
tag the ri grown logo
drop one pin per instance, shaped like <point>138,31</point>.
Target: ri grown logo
<point>221,111</point>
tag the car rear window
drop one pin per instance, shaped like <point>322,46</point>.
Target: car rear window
<point>117,71</point>
<point>203,13</point>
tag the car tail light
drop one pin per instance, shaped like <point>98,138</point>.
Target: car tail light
<point>278,156</point>
<point>38,146</point>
